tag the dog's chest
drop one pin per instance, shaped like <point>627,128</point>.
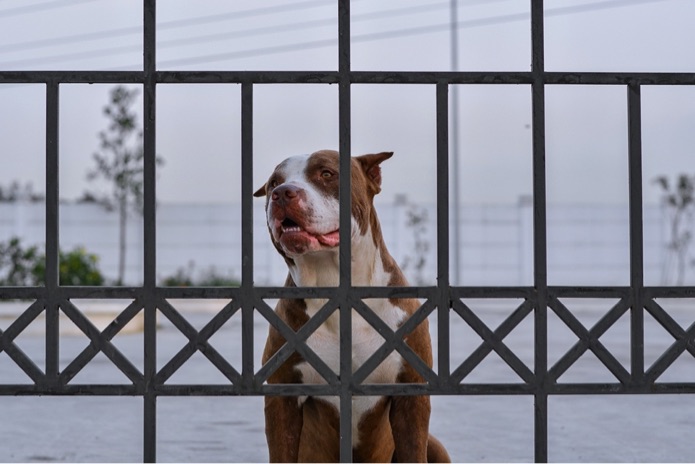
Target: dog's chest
<point>325,342</point>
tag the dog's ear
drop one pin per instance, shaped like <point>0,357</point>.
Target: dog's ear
<point>371,165</point>
<point>261,192</point>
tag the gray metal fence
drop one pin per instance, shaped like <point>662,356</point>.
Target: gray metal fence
<point>538,299</point>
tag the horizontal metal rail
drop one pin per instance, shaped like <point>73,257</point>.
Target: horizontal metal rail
<point>650,292</point>
<point>355,77</point>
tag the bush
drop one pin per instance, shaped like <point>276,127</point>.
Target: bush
<point>183,277</point>
<point>77,267</point>
<point>27,267</point>
<point>17,265</point>
<point>211,278</point>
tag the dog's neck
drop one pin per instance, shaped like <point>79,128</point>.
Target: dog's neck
<point>323,269</point>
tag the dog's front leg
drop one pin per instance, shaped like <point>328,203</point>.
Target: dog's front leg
<point>283,414</point>
<point>410,415</point>
<point>410,418</point>
<point>283,426</point>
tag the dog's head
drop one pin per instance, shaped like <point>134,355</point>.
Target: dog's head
<point>302,205</point>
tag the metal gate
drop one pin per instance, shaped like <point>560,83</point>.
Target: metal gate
<point>442,299</point>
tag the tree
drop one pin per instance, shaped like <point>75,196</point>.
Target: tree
<point>679,200</point>
<point>417,222</point>
<point>120,161</point>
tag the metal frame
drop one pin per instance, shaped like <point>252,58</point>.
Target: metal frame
<point>442,298</point>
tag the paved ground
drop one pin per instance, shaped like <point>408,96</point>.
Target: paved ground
<point>491,429</point>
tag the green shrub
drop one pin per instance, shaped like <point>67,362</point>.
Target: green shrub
<point>27,267</point>
<point>182,278</point>
<point>77,267</point>
<point>17,265</point>
<point>210,277</point>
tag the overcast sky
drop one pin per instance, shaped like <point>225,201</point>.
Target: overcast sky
<point>198,127</point>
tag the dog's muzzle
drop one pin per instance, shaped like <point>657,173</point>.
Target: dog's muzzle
<point>292,224</point>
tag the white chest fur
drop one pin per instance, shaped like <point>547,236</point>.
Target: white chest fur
<point>325,342</point>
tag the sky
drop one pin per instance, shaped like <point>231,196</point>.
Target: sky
<point>198,126</point>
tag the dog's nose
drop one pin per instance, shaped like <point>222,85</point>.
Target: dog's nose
<point>285,193</point>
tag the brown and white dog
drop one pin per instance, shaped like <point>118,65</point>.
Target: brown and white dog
<point>303,217</point>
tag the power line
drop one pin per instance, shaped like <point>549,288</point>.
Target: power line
<point>418,30</point>
<point>229,35</point>
<point>281,8</point>
<point>120,32</point>
<point>270,50</point>
<point>40,7</point>
<point>173,24</point>
<point>597,6</point>
<point>43,43</point>
<point>309,24</point>
<point>218,36</point>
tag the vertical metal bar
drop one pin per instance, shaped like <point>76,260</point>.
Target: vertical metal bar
<point>344,125</point>
<point>443,281</point>
<point>247,233</point>
<point>636,232</point>
<point>149,239</point>
<point>455,152</point>
<point>52,275</point>
<point>150,426</point>
<point>539,233</point>
<point>149,142</point>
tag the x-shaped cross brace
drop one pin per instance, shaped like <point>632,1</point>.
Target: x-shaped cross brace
<point>685,340</point>
<point>296,341</point>
<point>589,340</point>
<point>13,351</point>
<point>393,341</point>
<point>100,341</point>
<point>492,341</point>
<point>198,341</point>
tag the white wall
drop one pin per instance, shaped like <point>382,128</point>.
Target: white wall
<point>587,244</point>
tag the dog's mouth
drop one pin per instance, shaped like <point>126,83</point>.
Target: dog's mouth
<point>298,239</point>
<point>289,226</point>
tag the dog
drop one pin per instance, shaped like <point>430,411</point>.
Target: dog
<point>302,212</point>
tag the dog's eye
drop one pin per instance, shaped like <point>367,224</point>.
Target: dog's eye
<point>273,183</point>
<point>326,174</point>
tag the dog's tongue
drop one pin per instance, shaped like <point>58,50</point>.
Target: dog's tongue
<point>330,239</point>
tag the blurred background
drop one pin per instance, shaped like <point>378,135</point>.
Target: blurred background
<point>199,215</point>
<point>198,132</point>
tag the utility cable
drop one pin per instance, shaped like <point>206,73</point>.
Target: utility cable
<point>418,30</point>
<point>40,7</point>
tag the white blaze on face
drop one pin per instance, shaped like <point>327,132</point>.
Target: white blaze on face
<point>324,208</point>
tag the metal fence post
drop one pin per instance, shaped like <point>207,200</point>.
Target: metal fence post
<point>150,233</point>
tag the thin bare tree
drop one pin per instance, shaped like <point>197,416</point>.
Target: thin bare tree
<point>679,200</point>
<point>120,162</point>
